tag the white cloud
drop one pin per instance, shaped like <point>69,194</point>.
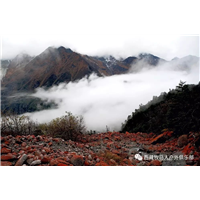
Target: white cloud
<point>108,101</point>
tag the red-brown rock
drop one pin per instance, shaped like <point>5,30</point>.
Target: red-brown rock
<point>62,164</point>
<point>23,144</point>
<point>77,160</point>
<point>187,149</point>
<point>112,162</point>
<point>159,139</point>
<point>45,160</point>
<point>155,163</point>
<point>7,142</point>
<point>5,150</point>
<point>127,161</point>
<point>58,161</point>
<point>37,153</point>
<point>86,163</point>
<point>48,150</point>
<point>50,143</point>
<point>101,163</point>
<point>8,156</point>
<point>21,152</point>
<point>182,141</point>
<point>57,140</point>
<point>116,151</point>
<point>6,163</point>
<point>133,139</point>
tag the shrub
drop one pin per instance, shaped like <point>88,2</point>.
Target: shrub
<point>67,127</point>
<point>17,125</point>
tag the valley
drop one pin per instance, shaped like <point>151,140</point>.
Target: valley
<point>24,74</point>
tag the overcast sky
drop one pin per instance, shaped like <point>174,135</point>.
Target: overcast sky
<point>119,45</point>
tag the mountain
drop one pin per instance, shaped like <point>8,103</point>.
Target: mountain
<point>130,60</point>
<point>186,63</point>
<point>53,66</point>
<point>150,59</point>
<point>20,61</point>
<point>56,65</point>
<point>143,61</point>
<point>115,66</point>
<point>25,73</point>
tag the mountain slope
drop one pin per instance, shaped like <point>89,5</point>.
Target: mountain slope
<point>178,111</point>
<point>186,63</point>
<point>20,61</point>
<point>56,65</point>
<point>53,66</point>
<point>115,66</point>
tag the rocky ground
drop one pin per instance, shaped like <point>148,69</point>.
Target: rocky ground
<point>105,149</point>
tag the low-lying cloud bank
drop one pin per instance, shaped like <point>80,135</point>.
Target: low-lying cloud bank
<point>107,101</point>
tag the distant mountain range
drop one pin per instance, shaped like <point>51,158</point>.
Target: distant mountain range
<point>25,73</point>
<point>56,65</point>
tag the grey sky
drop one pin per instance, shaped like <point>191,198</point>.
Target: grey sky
<point>165,46</point>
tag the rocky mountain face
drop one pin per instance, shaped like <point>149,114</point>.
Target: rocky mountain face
<point>56,65</point>
<point>53,66</point>
<point>20,61</point>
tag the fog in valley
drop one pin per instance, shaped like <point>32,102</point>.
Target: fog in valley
<point>107,101</point>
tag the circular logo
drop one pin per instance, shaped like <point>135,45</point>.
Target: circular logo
<point>138,156</point>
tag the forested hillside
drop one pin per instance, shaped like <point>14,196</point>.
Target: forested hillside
<point>178,111</point>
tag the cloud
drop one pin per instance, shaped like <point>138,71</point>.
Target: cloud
<point>107,101</point>
<point>118,45</point>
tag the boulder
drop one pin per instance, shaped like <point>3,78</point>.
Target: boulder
<point>58,162</point>
<point>101,163</point>
<point>8,156</point>
<point>21,160</point>
<point>29,161</point>
<point>77,160</point>
<point>182,141</point>
<point>6,163</point>
<point>36,162</point>
<point>155,163</point>
<point>45,160</point>
<point>23,144</point>
<point>5,150</point>
<point>62,164</point>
